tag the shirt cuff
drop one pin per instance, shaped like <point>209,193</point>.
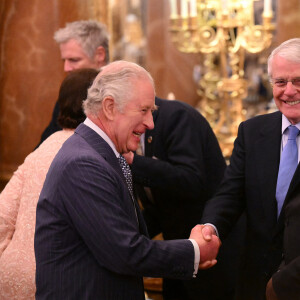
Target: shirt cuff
<point>214,227</point>
<point>197,257</point>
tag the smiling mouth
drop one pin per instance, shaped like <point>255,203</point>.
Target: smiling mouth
<point>291,103</point>
<point>138,134</point>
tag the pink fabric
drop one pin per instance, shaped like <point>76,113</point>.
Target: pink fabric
<point>17,220</point>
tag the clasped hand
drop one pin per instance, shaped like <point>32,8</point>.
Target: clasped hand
<point>208,243</point>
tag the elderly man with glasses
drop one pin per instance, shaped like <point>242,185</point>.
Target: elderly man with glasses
<point>263,180</point>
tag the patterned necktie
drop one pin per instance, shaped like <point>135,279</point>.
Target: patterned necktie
<point>128,177</point>
<point>287,167</point>
<point>127,173</point>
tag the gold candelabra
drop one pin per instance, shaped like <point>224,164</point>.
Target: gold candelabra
<point>222,30</point>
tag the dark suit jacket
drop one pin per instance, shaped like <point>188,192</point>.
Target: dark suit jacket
<point>286,282</point>
<point>89,243</point>
<point>249,185</point>
<point>53,125</point>
<point>183,165</point>
<point>187,167</point>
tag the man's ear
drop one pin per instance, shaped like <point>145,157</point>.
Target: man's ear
<point>109,108</point>
<point>100,56</point>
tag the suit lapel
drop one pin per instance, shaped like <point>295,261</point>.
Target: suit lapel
<point>149,141</point>
<point>101,146</point>
<point>150,134</point>
<point>97,143</point>
<point>267,151</point>
<point>293,185</point>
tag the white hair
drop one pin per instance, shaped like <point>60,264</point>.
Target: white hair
<point>89,34</point>
<point>289,50</point>
<point>116,80</point>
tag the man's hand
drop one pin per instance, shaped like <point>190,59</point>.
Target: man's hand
<point>270,293</point>
<point>209,247</point>
<point>208,232</point>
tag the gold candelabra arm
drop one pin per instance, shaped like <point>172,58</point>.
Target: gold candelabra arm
<point>226,29</point>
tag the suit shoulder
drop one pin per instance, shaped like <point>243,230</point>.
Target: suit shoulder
<point>263,119</point>
<point>172,104</point>
<point>171,107</point>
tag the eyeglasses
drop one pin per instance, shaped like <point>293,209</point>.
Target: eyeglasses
<point>282,83</point>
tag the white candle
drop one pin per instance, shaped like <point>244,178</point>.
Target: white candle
<point>173,6</point>
<point>184,8</point>
<point>193,8</point>
<point>224,5</point>
<point>267,7</point>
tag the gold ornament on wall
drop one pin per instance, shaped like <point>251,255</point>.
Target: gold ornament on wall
<point>223,31</point>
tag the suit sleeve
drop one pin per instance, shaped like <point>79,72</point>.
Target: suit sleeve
<point>286,282</point>
<point>98,205</point>
<point>224,209</point>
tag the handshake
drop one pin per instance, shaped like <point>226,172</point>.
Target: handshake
<point>208,243</point>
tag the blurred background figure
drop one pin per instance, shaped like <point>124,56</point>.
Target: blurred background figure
<point>19,198</point>
<point>82,44</point>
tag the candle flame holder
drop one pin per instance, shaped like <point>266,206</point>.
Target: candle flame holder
<point>223,31</point>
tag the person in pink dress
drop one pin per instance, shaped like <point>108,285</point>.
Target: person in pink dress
<point>19,198</point>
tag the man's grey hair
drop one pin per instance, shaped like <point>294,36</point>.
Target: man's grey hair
<point>89,34</point>
<point>289,50</point>
<point>116,80</point>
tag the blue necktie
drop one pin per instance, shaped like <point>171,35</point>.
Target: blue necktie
<point>287,167</point>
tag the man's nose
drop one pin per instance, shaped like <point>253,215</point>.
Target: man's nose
<point>149,121</point>
<point>67,66</point>
<point>290,89</point>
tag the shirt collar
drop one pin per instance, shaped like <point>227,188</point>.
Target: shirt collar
<point>88,122</point>
<point>286,123</point>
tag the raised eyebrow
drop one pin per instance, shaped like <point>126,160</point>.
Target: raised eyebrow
<point>71,58</point>
<point>150,108</point>
<point>280,78</point>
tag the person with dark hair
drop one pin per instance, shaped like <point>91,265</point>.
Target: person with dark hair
<point>19,198</point>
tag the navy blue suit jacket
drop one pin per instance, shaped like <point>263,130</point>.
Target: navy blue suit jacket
<point>187,168</point>
<point>249,185</point>
<point>88,241</point>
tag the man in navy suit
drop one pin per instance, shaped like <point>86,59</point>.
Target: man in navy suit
<point>91,241</point>
<point>251,183</point>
